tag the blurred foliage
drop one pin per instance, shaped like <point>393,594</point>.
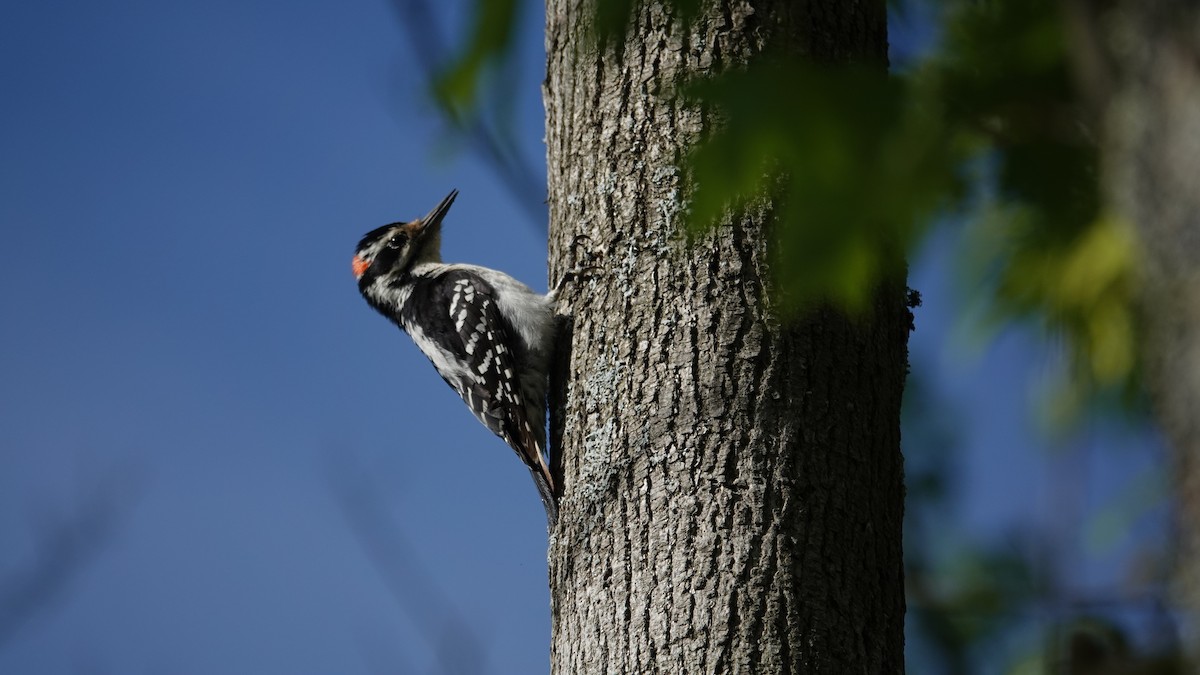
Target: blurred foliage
<point>1078,286</point>
<point>1040,248</point>
<point>1140,495</point>
<point>988,127</point>
<point>988,131</point>
<point>472,87</point>
<point>493,29</point>
<point>964,596</point>
<point>612,20</point>
<point>975,603</point>
<point>858,165</point>
<point>1096,646</point>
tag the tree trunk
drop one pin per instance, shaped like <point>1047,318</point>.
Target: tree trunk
<point>1152,161</point>
<point>731,487</point>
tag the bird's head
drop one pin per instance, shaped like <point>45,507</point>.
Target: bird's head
<point>393,249</point>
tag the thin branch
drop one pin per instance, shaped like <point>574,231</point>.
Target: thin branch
<point>455,646</point>
<point>63,550</point>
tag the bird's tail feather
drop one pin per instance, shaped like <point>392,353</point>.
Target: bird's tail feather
<point>546,492</point>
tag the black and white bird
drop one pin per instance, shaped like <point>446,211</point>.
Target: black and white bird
<point>488,335</point>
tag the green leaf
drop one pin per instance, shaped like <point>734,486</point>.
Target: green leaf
<point>853,162</point>
<point>457,86</point>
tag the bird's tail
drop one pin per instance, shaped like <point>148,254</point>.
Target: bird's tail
<point>546,492</point>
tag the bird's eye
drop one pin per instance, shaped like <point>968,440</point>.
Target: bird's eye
<point>397,242</point>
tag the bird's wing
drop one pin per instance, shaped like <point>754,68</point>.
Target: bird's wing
<point>468,341</point>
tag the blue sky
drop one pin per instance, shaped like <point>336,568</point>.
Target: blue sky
<point>181,188</point>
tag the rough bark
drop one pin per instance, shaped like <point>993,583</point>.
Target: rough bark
<point>731,487</point>
<point>1152,161</point>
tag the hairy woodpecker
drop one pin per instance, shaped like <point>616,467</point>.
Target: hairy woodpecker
<point>488,335</point>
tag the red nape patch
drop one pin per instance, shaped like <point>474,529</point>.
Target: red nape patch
<point>359,266</point>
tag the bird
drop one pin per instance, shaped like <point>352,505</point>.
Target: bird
<point>489,336</point>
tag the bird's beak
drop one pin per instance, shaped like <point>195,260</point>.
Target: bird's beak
<point>433,220</point>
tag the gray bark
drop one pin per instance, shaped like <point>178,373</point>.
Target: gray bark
<point>1152,162</point>
<point>731,487</point>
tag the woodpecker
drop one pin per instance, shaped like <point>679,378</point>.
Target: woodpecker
<point>488,335</point>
